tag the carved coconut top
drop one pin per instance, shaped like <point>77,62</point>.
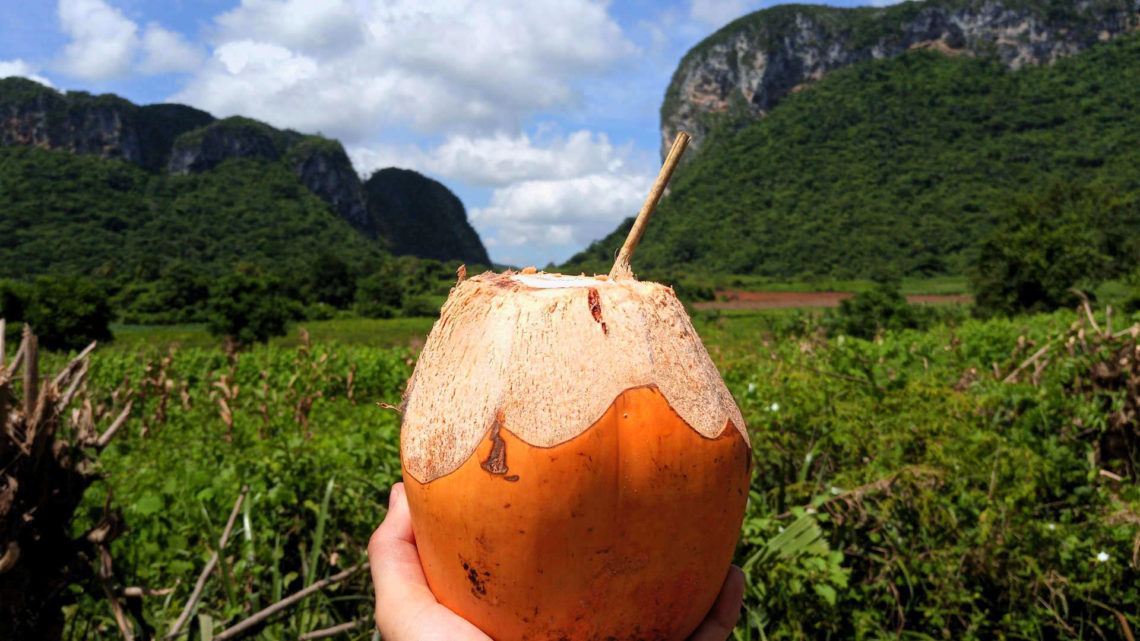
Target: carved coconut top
<point>544,356</point>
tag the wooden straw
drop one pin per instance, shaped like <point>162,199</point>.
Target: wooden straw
<point>621,264</point>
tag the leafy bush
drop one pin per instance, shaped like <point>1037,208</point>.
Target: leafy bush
<point>13,306</point>
<point>421,306</point>
<point>331,281</point>
<point>868,313</point>
<point>177,295</point>
<point>379,295</point>
<point>66,313</point>
<point>247,308</point>
<point>320,311</point>
<point>1044,245</point>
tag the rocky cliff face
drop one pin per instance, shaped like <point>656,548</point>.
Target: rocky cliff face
<point>748,66</point>
<point>31,114</point>
<point>325,170</point>
<point>205,148</point>
<point>422,217</point>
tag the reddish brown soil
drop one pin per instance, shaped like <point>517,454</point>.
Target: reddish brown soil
<point>778,300</point>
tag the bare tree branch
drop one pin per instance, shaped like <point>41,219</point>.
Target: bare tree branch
<point>1029,361</point>
<point>265,613</point>
<point>333,631</point>
<point>31,374</point>
<point>71,367</point>
<point>65,400</point>
<point>106,437</point>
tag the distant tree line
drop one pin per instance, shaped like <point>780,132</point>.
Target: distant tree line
<point>246,305</point>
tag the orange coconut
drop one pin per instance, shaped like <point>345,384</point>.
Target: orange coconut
<point>575,466</point>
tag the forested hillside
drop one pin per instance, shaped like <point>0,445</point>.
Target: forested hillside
<point>895,165</point>
<point>160,182</point>
<point>77,214</point>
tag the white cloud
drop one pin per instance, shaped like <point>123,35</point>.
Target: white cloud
<point>354,70</point>
<point>549,191</point>
<point>549,213</point>
<point>103,40</point>
<point>303,25</point>
<point>167,51</point>
<point>501,159</point>
<point>20,68</point>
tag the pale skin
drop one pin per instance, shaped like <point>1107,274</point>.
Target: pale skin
<point>406,610</point>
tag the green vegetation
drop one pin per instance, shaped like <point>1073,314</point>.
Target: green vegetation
<point>924,484</point>
<point>67,313</point>
<point>409,210</point>
<point>873,311</point>
<point>155,243</point>
<point>247,196</point>
<point>1045,245</point>
<point>68,213</point>
<point>247,308</point>
<point>896,164</point>
<point>240,128</point>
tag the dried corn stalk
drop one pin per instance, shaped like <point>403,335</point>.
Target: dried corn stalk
<point>46,462</point>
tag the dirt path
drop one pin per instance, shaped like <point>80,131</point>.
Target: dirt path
<point>734,299</point>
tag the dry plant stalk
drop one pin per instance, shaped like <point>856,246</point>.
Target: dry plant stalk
<point>621,267</point>
<point>46,463</point>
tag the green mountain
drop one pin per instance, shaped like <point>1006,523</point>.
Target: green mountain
<point>96,184</point>
<point>746,68</point>
<point>66,213</point>
<point>410,209</point>
<point>895,164</point>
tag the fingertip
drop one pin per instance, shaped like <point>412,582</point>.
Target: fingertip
<point>726,609</point>
<point>735,580</point>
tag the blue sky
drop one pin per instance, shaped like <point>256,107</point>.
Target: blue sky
<point>541,115</point>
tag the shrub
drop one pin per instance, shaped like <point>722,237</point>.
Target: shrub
<point>178,295</point>
<point>867,313</point>
<point>424,306</point>
<point>331,281</point>
<point>379,295</point>
<point>66,313</point>
<point>1044,245</point>
<point>247,308</point>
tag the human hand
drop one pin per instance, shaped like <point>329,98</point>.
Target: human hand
<point>406,610</point>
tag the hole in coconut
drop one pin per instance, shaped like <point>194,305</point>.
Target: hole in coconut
<point>557,281</point>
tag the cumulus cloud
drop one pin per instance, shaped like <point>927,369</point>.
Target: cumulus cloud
<point>308,26</point>
<point>501,159</point>
<point>103,40</point>
<point>22,69</point>
<point>167,51</point>
<point>549,191</point>
<point>352,70</point>
<point>561,212</point>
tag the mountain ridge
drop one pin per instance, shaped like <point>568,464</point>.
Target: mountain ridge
<point>747,67</point>
<point>893,166</point>
<point>181,140</point>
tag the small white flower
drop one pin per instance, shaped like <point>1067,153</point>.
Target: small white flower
<point>751,387</point>
<point>807,459</point>
<point>1101,556</point>
<point>1051,527</point>
<point>774,407</point>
